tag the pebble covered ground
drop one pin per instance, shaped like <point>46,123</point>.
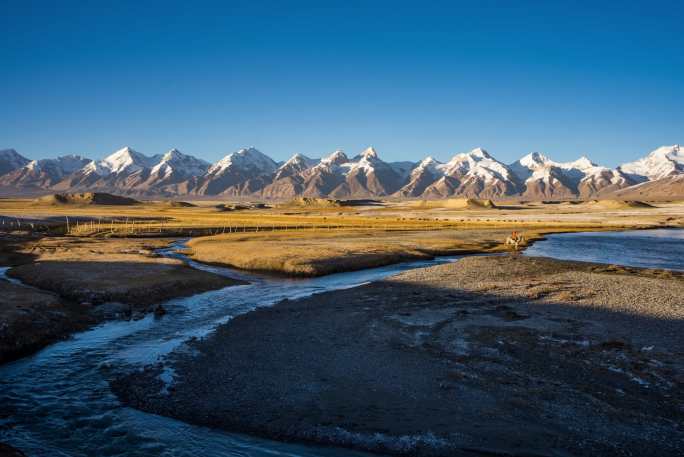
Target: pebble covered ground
<point>498,355</point>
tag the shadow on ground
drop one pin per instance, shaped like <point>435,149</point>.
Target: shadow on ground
<point>488,356</point>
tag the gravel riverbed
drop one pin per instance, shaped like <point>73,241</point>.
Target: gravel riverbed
<point>502,355</point>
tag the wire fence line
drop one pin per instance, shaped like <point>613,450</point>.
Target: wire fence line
<point>108,226</point>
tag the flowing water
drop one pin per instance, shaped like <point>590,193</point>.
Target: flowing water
<point>659,248</point>
<point>58,402</point>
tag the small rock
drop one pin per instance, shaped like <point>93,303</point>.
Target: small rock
<point>111,310</point>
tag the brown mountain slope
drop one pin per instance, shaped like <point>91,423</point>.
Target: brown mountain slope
<point>671,187</point>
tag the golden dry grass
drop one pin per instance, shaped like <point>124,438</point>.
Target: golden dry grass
<point>160,217</point>
<point>320,252</point>
<point>312,241</point>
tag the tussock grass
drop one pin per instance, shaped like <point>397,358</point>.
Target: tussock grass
<point>321,252</point>
<point>320,240</point>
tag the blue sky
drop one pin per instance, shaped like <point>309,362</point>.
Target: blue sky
<point>412,79</point>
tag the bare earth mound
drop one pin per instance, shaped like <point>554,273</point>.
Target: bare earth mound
<point>178,204</point>
<point>618,204</point>
<point>87,198</point>
<point>310,202</point>
<point>458,203</point>
<point>486,356</point>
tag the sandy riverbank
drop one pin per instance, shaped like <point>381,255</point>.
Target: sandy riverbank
<point>515,356</point>
<point>79,282</point>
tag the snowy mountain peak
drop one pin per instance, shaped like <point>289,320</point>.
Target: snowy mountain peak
<point>126,151</point>
<point>64,164</point>
<point>181,164</point>
<point>370,154</point>
<point>534,160</point>
<point>429,160</point>
<point>583,163</point>
<point>245,159</point>
<point>294,165</point>
<point>172,154</point>
<point>123,160</point>
<point>428,165</point>
<point>249,172</point>
<point>336,158</point>
<point>479,152</point>
<point>299,159</point>
<point>471,157</point>
<point>666,151</point>
<point>660,163</point>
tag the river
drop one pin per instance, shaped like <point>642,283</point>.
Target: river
<point>57,402</point>
<point>658,248</point>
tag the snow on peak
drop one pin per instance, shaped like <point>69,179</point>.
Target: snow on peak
<point>667,151</point>
<point>295,164</point>
<point>299,160</point>
<point>534,160</point>
<point>175,161</point>
<point>479,152</point>
<point>125,159</point>
<point>367,162</point>
<point>245,159</point>
<point>428,164</point>
<point>660,163</point>
<point>583,163</point>
<point>336,158</point>
<point>59,166</point>
<point>172,154</point>
<point>537,166</point>
<point>477,164</point>
<point>369,154</point>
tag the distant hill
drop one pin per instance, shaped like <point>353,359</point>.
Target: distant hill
<point>86,198</point>
<point>458,203</point>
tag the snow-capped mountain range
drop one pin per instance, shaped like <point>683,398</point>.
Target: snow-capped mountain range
<point>248,172</point>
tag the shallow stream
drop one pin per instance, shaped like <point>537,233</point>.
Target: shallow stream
<point>57,402</point>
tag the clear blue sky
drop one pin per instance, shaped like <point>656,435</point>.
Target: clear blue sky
<point>412,79</point>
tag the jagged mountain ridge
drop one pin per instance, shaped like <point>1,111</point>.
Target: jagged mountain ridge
<point>43,173</point>
<point>543,178</point>
<point>249,172</point>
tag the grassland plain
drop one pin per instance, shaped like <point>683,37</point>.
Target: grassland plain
<point>90,254</point>
<point>328,241</point>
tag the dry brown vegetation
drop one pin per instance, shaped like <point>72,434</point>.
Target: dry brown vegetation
<point>321,239</point>
<point>319,252</point>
